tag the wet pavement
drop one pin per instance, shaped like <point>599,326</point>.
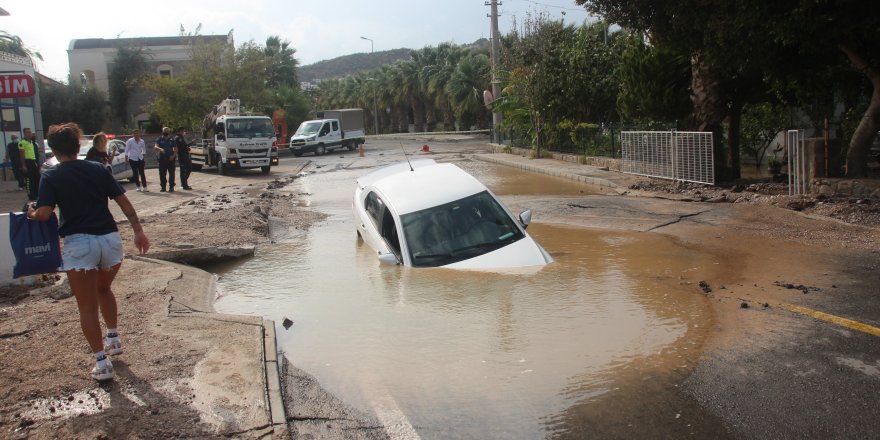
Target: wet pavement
<point>482,355</point>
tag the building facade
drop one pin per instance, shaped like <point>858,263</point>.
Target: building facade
<point>91,60</point>
<point>19,98</point>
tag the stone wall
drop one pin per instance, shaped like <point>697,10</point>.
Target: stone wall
<point>862,188</point>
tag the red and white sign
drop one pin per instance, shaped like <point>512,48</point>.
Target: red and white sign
<point>16,86</point>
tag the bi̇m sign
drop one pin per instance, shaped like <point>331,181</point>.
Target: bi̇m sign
<point>16,86</point>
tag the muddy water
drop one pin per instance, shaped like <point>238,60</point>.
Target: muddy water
<point>477,355</point>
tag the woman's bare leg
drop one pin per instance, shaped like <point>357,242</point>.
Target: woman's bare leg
<point>84,284</point>
<point>106,299</point>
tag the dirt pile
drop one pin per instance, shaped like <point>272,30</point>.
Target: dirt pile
<point>858,211</point>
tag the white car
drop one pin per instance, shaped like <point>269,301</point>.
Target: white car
<point>425,214</point>
<point>119,167</point>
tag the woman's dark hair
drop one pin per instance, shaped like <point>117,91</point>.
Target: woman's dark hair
<point>64,138</point>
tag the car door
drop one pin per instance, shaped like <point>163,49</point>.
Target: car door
<point>335,135</point>
<point>119,166</point>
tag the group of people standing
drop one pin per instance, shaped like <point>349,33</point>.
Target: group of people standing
<point>25,158</point>
<point>170,150</point>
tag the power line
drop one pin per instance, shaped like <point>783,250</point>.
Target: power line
<point>554,6</point>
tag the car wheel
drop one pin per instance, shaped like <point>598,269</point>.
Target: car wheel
<point>265,170</point>
<point>222,168</point>
<point>351,147</point>
<point>321,150</point>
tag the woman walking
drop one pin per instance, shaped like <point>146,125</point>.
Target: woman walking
<point>92,252</point>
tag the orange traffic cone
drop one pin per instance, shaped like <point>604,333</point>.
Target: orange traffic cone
<point>361,150</point>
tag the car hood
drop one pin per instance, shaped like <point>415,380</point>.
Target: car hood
<point>523,253</point>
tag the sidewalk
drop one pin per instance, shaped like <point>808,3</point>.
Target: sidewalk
<point>608,182</point>
<point>185,370</point>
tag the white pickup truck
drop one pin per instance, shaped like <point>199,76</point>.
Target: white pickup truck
<point>331,130</point>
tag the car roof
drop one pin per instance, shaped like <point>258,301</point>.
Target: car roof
<point>428,184</point>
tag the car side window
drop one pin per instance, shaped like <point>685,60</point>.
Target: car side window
<point>389,232</point>
<point>335,126</point>
<point>373,205</point>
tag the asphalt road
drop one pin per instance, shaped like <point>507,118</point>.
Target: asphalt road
<point>766,372</point>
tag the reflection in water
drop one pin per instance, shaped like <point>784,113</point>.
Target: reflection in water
<point>472,354</point>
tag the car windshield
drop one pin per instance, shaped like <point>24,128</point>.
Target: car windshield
<point>308,128</point>
<point>247,128</point>
<point>457,231</point>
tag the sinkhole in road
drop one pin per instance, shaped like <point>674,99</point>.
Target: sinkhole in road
<point>473,354</point>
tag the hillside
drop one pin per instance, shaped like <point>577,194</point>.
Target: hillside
<point>361,62</point>
<point>350,64</point>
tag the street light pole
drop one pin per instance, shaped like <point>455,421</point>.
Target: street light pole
<point>371,43</point>
<point>375,106</point>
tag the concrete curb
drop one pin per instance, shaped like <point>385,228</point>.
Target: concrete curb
<point>274,397</point>
<point>602,184</point>
<point>270,377</point>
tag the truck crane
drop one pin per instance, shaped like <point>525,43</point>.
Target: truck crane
<point>235,140</point>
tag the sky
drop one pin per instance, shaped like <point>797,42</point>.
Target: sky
<point>318,30</point>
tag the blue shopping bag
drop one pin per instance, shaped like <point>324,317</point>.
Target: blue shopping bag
<point>35,245</point>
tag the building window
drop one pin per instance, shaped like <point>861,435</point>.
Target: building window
<point>10,119</point>
<point>87,78</point>
<point>165,71</point>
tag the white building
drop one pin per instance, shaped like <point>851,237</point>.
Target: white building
<point>91,61</point>
<point>19,97</point>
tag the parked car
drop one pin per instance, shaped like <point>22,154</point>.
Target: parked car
<point>119,167</point>
<point>425,214</point>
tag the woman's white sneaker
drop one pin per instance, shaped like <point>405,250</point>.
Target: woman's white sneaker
<point>102,374</point>
<point>112,346</point>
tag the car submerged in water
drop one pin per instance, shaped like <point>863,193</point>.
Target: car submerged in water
<point>427,214</point>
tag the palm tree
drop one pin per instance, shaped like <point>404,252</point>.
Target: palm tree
<point>438,75</point>
<point>281,64</point>
<point>465,88</point>
<point>409,91</point>
<point>12,44</point>
<point>384,76</point>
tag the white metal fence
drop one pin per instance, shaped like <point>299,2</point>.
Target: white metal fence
<point>676,155</point>
<point>797,162</point>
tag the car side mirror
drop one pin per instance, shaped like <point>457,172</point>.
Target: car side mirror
<point>525,218</point>
<point>221,137</point>
<point>389,259</point>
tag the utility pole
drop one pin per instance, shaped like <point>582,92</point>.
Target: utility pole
<point>496,89</point>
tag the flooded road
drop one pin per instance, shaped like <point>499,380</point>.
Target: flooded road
<point>482,355</point>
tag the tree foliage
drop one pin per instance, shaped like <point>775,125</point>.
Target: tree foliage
<point>260,76</point>
<point>281,68</point>
<point>125,76</point>
<point>654,83</point>
<point>68,102</point>
<point>741,50</point>
<point>13,44</point>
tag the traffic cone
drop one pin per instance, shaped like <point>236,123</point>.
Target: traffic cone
<point>361,150</point>
<point>425,149</point>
